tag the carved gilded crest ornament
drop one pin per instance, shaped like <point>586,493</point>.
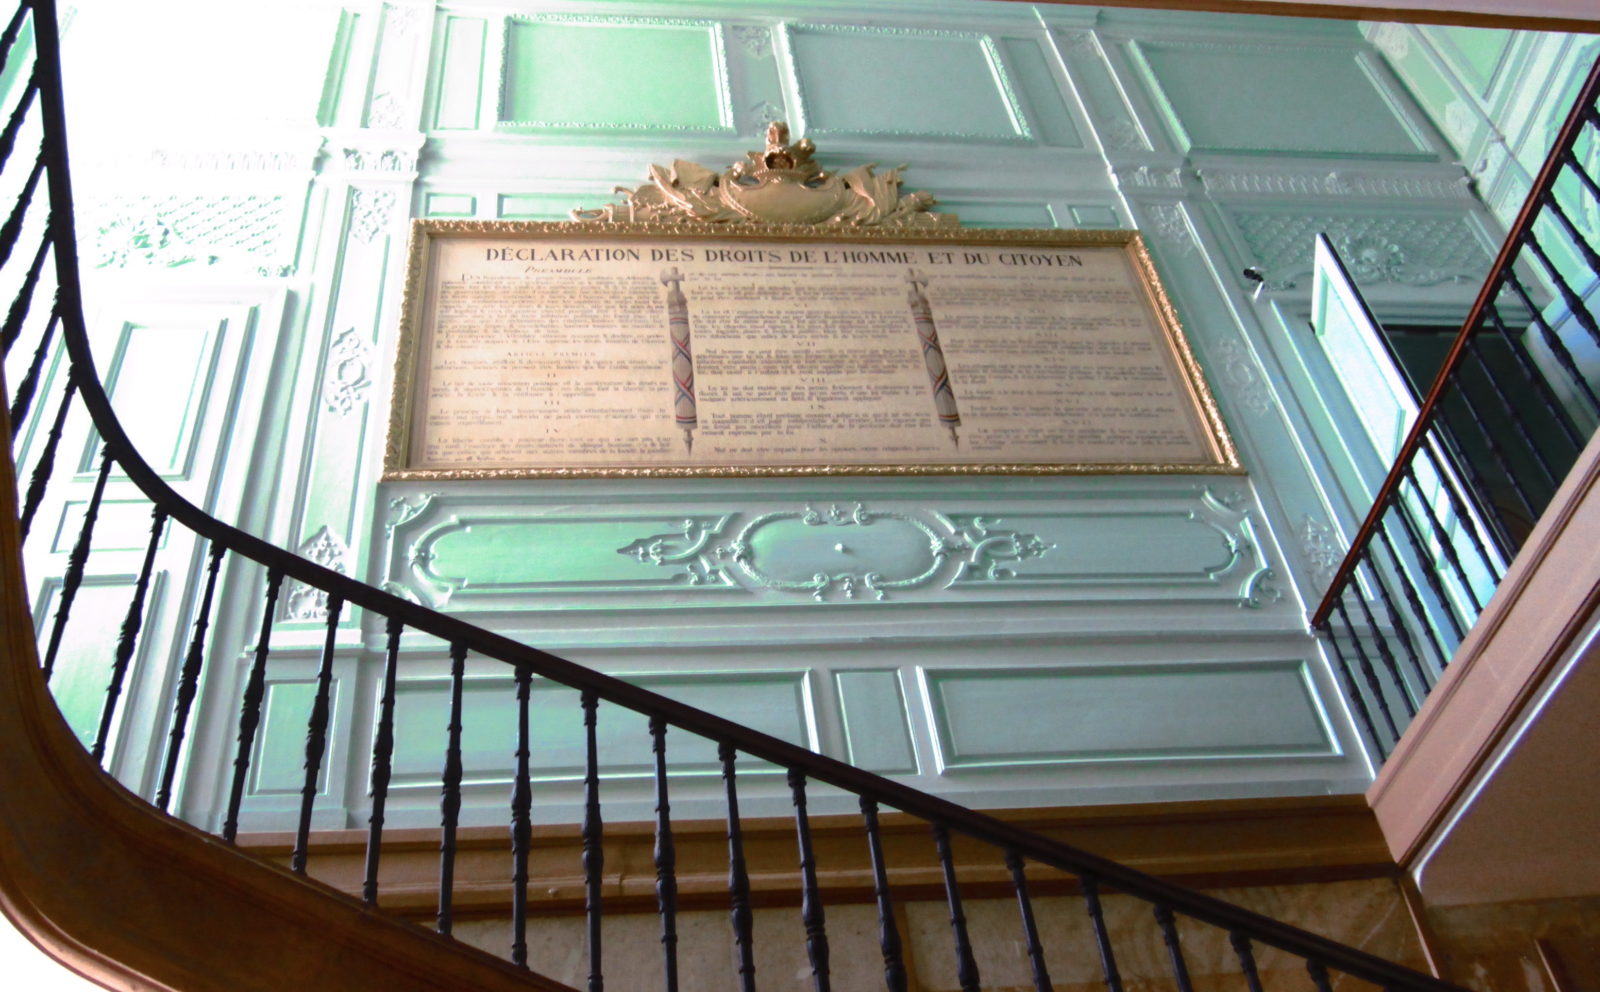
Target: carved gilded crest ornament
<point>782,184</point>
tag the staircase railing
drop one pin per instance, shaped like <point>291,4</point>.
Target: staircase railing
<point>1513,404</point>
<point>669,721</point>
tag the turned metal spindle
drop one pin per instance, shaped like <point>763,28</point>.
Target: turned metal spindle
<point>8,136</point>
<point>12,228</point>
<point>1513,415</point>
<point>1575,237</point>
<point>1497,451</point>
<point>1169,935</point>
<point>1429,569</point>
<point>1030,929</point>
<point>255,689</point>
<point>521,821</point>
<point>1364,664</point>
<point>738,877</point>
<point>1348,684</point>
<point>18,314</point>
<point>450,792</point>
<point>1537,379</point>
<point>1247,960</point>
<point>22,398</point>
<point>1391,666</point>
<point>72,578</point>
<point>1572,162</point>
<point>594,857</point>
<point>382,761</point>
<point>1468,520</point>
<point>1414,602</point>
<point>811,912</point>
<point>966,964</point>
<point>666,859</point>
<point>189,679</point>
<point>1574,303</point>
<point>8,38</point>
<point>1442,536</point>
<point>128,637</point>
<point>1413,696</point>
<point>894,968</point>
<point>45,466</point>
<point>1102,938</point>
<point>1552,340</point>
<point>316,736</point>
<point>1319,975</point>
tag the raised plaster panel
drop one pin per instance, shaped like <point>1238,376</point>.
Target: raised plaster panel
<point>537,206</point>
<point>1115,121</point>
<point>876,728</point>
<point>1048,109</point>
<point>998,718</point>
<point>981,214</point>
<point>499,554</point>
<point>278,765</point>
<point>121,525</point>
<point>622,75</point>
<point>1475,55</point>
<point>449,205</point>
<point>1411,249</point>
<point>1284,99</point>
<point>160,379</point>
<point>773,702</point>
<point>83,662</point>
<point>459,94</point>
<point>237,232</point>
<point>947,85</point>
<point>1094,216</point>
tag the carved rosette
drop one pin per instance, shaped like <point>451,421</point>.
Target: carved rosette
<point>781,184</point>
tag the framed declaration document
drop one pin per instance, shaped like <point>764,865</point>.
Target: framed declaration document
<point>533,350</point>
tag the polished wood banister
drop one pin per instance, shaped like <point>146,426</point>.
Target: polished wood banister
<point>1503,262</point>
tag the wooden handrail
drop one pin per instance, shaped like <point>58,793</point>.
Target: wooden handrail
<point>1503,263</point>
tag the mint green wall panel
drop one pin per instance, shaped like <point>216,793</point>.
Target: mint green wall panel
<point>773,702</point>
<point>995,718</point>
<point>83,663</point>
<point>877,733</point>
<point>902,82</point>
<point>449,205</point>
<point>982,214</point>
<point>1252,97</point>
<point>159,381</point>
<point>1474,53</point>
<point>618,75</point>
<point>278,766</point>
<point>539,206</point>
<point>460,73</point>
<point>121,525</point>
<point>1095,217</point>
<point>1048,111</point>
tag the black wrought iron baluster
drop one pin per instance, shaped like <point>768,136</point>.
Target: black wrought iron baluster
<point>1426,565</point>
<point>189,679</point>
<point>1247,960</point>
<point>1319,975</point>
<point>8,38</point>
<point>1169,934</point>
<point>255,689</point>
<point>666,859</point>
<point>316,737</point>
<point>1368,674</point>
<point>1571,159</point>
<point>24,299</point>
<point>382,761</point>
<point>1102,938</point>
<point>738,877</point>
<point>1574,235</point>
<point>46,465</point>
<point>1491,512</point>
<point>894,968</point>
<point>1492,520</point>
<point>450,793</point>
<point>1030,929</point>
<point>521,821</point>
<point>19,113</point>
<point>1347,678</point>
<point>1384,654</point>
<point>811,912</point>
<point>128,637</point>
<point>1441,535</point>
<point>1414,601</point>
<point>77,558</point>
<point>1574,303</point>
<point>22,396</point>
<point>1415,696</point>
<point>11,230</point>
<point>1536,378</point>
<point>594,857</point>
<point>1512,413</point>
<point>1553,341</point>
<point>966,964</point>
